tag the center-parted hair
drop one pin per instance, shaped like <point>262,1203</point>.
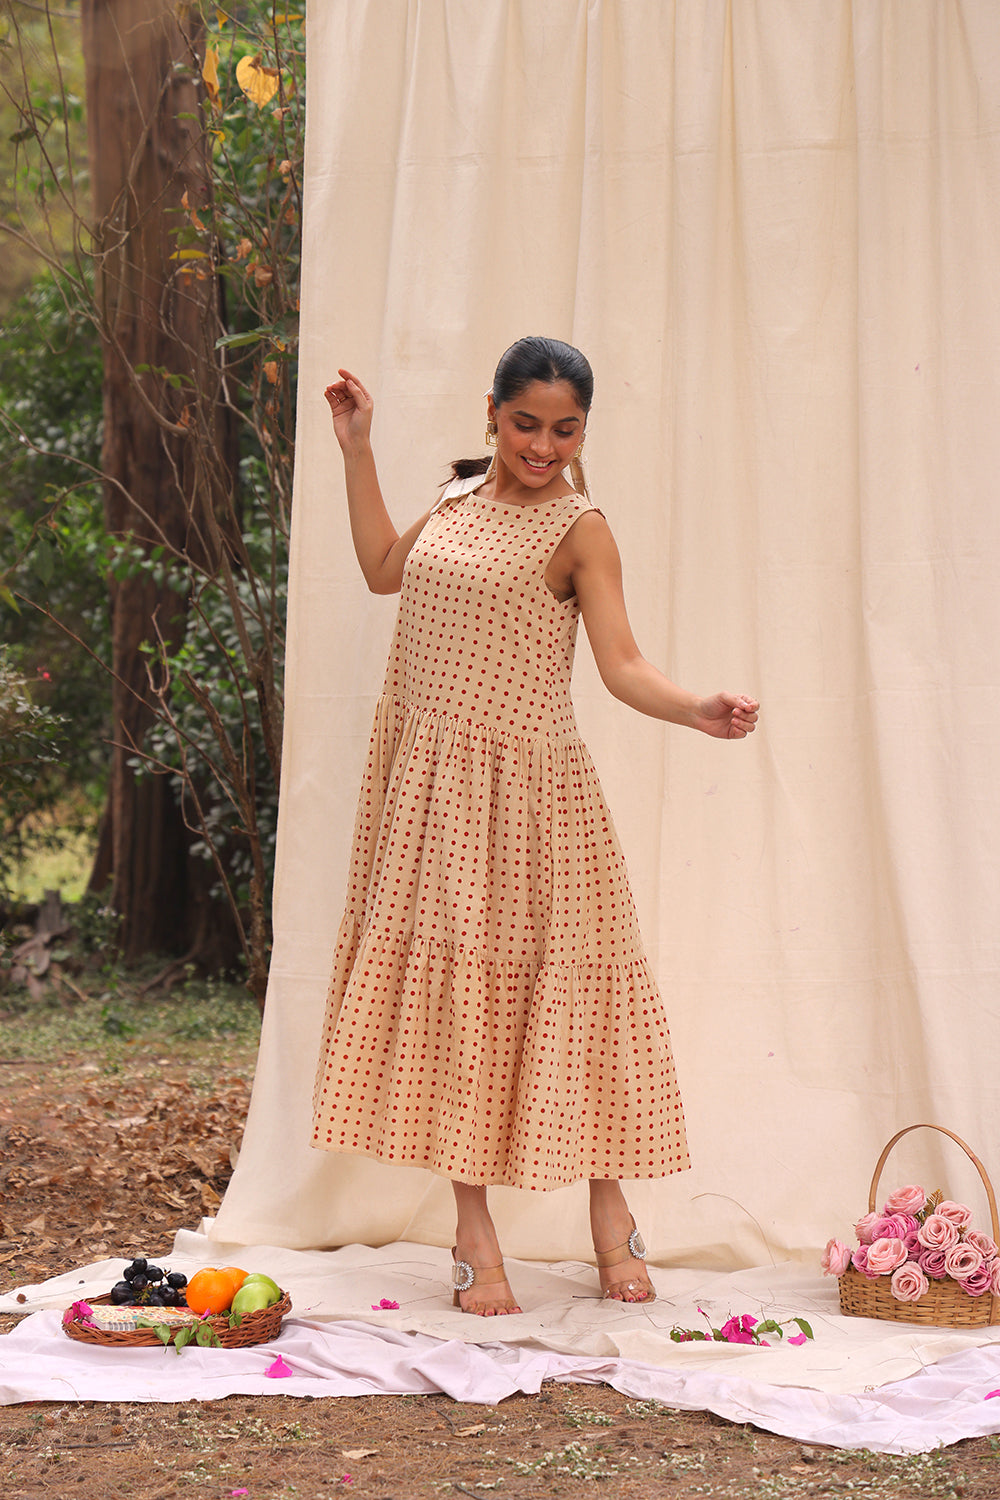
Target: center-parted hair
<point>530,359</point>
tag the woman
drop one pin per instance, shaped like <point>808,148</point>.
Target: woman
<point>491,1014</point>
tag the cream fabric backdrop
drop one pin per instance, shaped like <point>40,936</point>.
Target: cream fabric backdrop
<point>774,227</point>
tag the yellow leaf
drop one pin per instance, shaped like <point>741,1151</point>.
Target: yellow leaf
<point>210,73</point>
<point>221,18</point>
<point>260,84</point>
<point>271,371</point>
<point>188,255</point>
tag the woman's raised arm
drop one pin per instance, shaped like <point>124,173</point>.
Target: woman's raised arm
<point>380,549</point>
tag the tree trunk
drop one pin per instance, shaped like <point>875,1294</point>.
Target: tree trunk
<point>168,447</point>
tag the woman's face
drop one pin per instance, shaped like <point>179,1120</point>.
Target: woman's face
<point>538,431</point>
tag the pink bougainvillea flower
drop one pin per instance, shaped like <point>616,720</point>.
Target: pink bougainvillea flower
<point>990,1394</point>
<point>80,1312</point>
<point>278,1370</point>
<point>734,1330</point>
<point>239,1492</point>
<point>384,1305</point>
<point>800,1338</point>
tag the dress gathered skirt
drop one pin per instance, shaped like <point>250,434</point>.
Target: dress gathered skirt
<point>491,1013</point>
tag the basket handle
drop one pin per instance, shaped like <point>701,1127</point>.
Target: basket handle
<point>987,1184</point>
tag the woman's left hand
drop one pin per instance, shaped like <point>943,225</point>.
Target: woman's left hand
<point>727,716</point>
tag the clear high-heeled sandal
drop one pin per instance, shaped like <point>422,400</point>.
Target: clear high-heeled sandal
<point>465,1276</point>
<point>626,1291</point>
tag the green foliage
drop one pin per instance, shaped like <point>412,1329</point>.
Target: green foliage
<point>216,670</point>
<point>211,677</point>
<point>52,538</point>
<point>31,739</point>
<point>43,130</point>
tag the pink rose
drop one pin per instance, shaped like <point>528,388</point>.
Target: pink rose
<point>884,1256</point>
<point>955,1213</point>
<point>936,1233</point>
<point>995,1277</point>
<point>859,1260</point>
<point>961,1260</point>
<point>932,1264</point>
<point>906,1200</point>
<point>912,1243</point>
<point>986,1247</point>
<point>863,1228</point>
<point>893,1227</point>
<point>979,1282</point>
<point>835,1258</point>
<point>909,1283</point>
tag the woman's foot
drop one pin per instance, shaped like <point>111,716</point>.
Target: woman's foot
<point>618,1246</point>
<point>480,1282</point>
<point>485,1292</point>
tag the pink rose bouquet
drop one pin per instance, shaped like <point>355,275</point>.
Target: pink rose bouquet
<point>919,1238</point>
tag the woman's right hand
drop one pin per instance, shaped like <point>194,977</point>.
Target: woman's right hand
<point>352,408</point>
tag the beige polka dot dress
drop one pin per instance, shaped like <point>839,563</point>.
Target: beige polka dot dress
<point>491,1014</point>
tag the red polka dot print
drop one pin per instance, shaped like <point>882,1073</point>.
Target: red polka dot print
<point>491,1013</point>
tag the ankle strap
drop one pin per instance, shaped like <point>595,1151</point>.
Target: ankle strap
<point>633,1249</point>
<point>464,1276</point>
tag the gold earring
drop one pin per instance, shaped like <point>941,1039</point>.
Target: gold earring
<point>579,451</point>
<point>491,434</point>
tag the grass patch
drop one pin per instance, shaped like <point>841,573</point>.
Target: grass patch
<point>208,1026</point>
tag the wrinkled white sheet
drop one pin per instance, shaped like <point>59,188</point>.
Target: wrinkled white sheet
<point>889,1387</point>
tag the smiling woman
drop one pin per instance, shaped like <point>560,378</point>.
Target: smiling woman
<point>492,1015</point>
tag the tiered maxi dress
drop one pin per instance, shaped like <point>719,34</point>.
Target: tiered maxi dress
<point>491,1014</point>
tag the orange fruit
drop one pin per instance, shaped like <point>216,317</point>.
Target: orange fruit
<point>236,1276</point>
<point>209,1291</point>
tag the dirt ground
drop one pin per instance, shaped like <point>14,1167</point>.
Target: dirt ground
<point>99,1159</point>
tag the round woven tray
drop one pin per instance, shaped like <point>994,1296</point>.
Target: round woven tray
<point>945,1304</point>
<point>255,1328</point>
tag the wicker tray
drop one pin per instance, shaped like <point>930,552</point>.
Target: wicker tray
<point>945,1305</point>
<point>255,1328</point>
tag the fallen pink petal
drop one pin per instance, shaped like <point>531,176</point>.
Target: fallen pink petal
<point>239,1492</point>
<point>990,1394</point>
<point>800,1338</point>
<point>278,1370</point>
<point>385,1305</point>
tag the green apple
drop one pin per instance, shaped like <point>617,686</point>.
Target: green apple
<point>251,1299</point>
<point>257,1278</point>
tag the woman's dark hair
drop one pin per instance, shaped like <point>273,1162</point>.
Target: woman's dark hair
<point>531,359</point>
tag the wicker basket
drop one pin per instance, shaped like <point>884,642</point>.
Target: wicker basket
<point>255,1328</point>
<point>945,1304</point>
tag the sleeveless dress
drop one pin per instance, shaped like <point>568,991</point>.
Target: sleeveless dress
<point>491,1014</point>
